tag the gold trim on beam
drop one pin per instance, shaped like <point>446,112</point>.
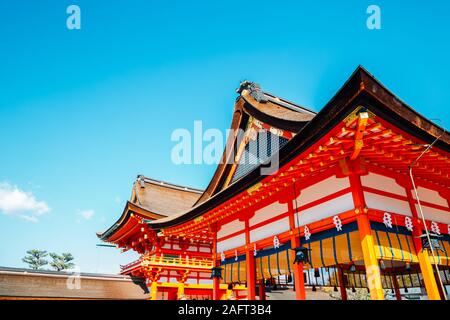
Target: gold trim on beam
<point>254,188</point>
<point>355,114</point>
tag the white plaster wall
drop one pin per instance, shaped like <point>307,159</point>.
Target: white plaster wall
<point>268,212</point>
<point>205,281</point>
<point>430,196</point>
<point>270,229</point>
<point>322,189</point>
<point>191,281</point>
<point>230,228</point>
<point>205,249</point>
<point>376,201</point>
<point>231,243</point>
<point>205,274</point>
<point>434,214</point>
<point>325,209</point>
<point>377,181</point>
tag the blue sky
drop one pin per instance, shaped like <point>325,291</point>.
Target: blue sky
<point>82,112</point>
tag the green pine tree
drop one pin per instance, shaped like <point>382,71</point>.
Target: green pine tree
<point>35,259</point>
<point>62,262</point>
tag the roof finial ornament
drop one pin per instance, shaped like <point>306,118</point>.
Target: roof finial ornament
<point>253,89</point>
<point>140,179</point>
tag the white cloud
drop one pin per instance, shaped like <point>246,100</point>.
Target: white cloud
<point>14,201</point>
<point>86,214</point>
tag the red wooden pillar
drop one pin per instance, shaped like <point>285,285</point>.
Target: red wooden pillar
<point>398,295</point>
<point>251,277</point>
<point>342,288</point>
<point>216,281</point>
<point>250,259</point>
<point>426,267</point>
<point>262,290</point>
<point>441,290</point>
<point>355,169</point>
<point>171,294</point>
<point>299,281</point>
<point>216,289</point>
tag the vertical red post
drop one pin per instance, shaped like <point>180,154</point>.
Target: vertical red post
<point>216,289</point>
<point>373,273</point>
<point>299,281</point>
<point>426,267</point>
<point>342,288</point>
<point>250,259</point>
<point>216,281</point>
<point>441,290</point>
<point>398,295</point>
<point>251,283</point>
<point>262,290</point>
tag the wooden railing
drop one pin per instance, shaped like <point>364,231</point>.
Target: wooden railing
<point>131,264</point>
<point>178,262</point>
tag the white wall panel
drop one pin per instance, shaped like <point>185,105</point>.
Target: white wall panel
<point>205,274</point>
<point>205,249</point>
<point>377,181</point>
<point>326,209</point>
<point>270,211</point>
<point>205,281</point>
<point>191,281</point>
<point>270,229</point>
<point>435,215</point>
<point>322,189</point>
<point>230,228</point>
<point>231,243</point>
<point>376,201</point>
<point>430,196</point>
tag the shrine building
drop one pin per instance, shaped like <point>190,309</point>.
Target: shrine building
<point>359,199</point>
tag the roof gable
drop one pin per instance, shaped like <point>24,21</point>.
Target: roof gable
<point>360,89</point>
<point>161,197</point>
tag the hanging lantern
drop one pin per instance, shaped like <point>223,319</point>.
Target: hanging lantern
<point>289,278</point>
<point>352,267</point>
<point>301,255</point>
<point>316,273</point>
<point>434,238</point>
<point>216,272</point>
